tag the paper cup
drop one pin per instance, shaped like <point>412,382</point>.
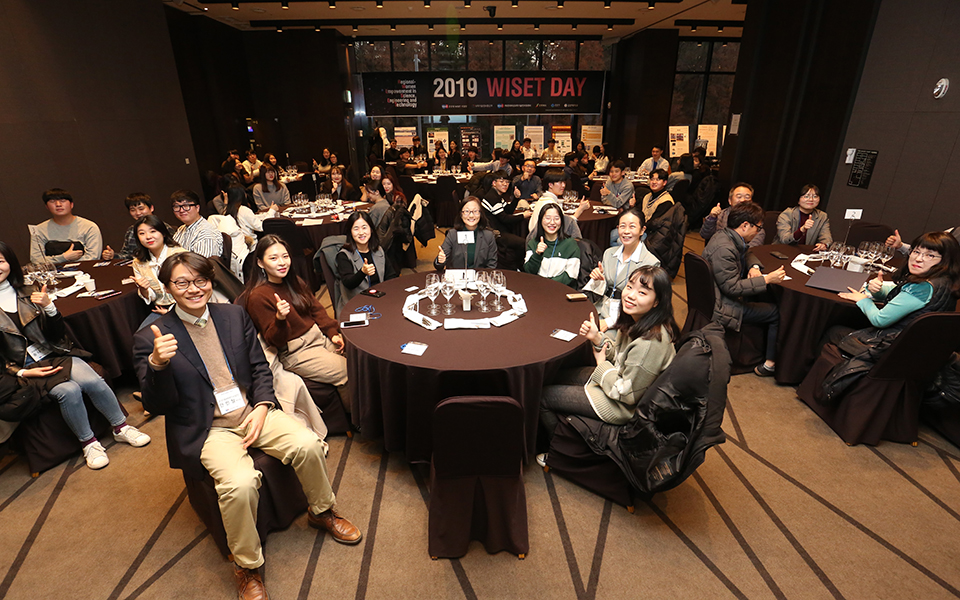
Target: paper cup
<point>90,285</point>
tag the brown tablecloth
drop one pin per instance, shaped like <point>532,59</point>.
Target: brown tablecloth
<point>394,394</point>
<point>805,314</point>
<point>316,233</point>
<point>105,328</point>
<point>593,225</point>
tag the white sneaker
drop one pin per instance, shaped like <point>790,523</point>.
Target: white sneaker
<point>133,436</point>
<point>96,456</point>
<point>542,459</point>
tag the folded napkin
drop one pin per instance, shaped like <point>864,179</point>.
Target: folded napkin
<point>597,286</point>
<point>466,323</point>
<point>70,290</point>
<point>311,222</point>
<point>508,317</point>
<point>800,263</point>
<point>421,320</point>
<point>517,303</point>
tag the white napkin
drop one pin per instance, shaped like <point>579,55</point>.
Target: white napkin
<point>504,318</point>
<point>597,286</point>
<point>800,263</point>
<point>67,291</point>
<point>421,320</point>
<point>311,222</point>
<point>517,303</point>
<point>466,323</point>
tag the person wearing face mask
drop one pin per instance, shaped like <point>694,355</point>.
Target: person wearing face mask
<point>610,276</point>
<point>282,308</point>
<point>339,188</point>
<point>470,244</point>
<point>627,362</point>
<point>717,219</point>
<point>805,224</point>
<point>551,253</point>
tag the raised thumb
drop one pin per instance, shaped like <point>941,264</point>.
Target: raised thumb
<point>541,239</point>
<point>277,296</point>
<point>71,248</point>
<point>593,321</point>
<point>43,290</point>
<point>156,331</point>
<point>365,263</point>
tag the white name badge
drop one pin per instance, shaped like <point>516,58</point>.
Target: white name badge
<point>465,237</point>
<point>36,352</point>
<point>229,399</point>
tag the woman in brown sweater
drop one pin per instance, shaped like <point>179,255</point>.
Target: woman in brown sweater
<point>290,318</point>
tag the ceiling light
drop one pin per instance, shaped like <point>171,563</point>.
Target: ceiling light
<point>609,27</point>
<point>285,5</point>
<point>430,26</point>
<point>499,26</point>
<point>279,29</point>
<point>426,3</point>
<point>606,3</point>
<point>393,26</point>
<point>403,43</point>
<point>521,42</point>
<point>379,3</point>
<point>462,26</point>
<point>651,5</point>
<point>515,3</point>
<point>466,3</point>
<point>536,26</point>
<point>316,28</point>
<point>724,43</point>
<point>699,44</point>
<point>693,29</point>
<point>332,3</point>
<point>355,28</point>
<point>205,8</point>
<point>560,3</point>
<point>491,42</point>
<point>235,5</point>
<point>574,26</point>
<point>720,29</point>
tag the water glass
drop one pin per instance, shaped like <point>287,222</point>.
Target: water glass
<point>499,284</point>
<point>446,288</point>
<point>433,290</point>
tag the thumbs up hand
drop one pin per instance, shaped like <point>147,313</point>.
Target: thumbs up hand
<point>597,273</point>
<point>41,298</point>
<point>368,269</point>
<point>283,308</point>
<point>875,284</point>
<point>542,246</point>
<point>164,347</point>
<point>107,253</point>
<point>590,331</point>
<point>895,240</point>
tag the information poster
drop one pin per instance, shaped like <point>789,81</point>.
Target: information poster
<point>562,133</point>
<point>469,136</point>
<point>709,134</point>
<point>404,136</point>
<point>592,135</point>
<point>862,169</point>
<point>503,136</point>
<point>535,133</point>
<point>437,134</point>
<point>483,93</point>
<point>679,140</point>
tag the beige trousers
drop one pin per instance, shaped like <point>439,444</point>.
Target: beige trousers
<point>313,356</point>
<point>238,482</point>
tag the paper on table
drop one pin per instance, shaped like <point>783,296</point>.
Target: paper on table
<point>412,288</point>
<point>312,222</point>
<point>563,335</point>
<point>414,348</point>
<point>466,323</point>
<point>67,291</point>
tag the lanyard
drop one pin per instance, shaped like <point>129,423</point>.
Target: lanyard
<point>556,243</point>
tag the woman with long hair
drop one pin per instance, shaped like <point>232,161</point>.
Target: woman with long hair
<point>370,182</point>
<point>454,157</point>
<point>154,244</point>
<point>395,230</point>
<point>361,263</point>
<point>629,358</point>
<point>550,253</point>
<point>270,191</point>
<point>283,310</point>
<point>34,347</point>
<point>477,251</point>
<point>338,187</point>
<point>323,165</point>
<point>248,222</point>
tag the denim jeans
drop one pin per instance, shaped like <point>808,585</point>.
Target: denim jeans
<point>69,395</point>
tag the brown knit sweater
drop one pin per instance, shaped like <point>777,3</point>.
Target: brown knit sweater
<point>208,345</point>
<point>262,307</point>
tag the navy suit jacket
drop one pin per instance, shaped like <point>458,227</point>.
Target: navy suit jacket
<point>183,391</point>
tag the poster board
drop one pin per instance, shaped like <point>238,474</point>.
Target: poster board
<point>710,134</point>
<point>592,135</point>
<point>469,136</point>
<point>563,135</point>
<point>435,134</point>
<point>679,140</point>
<point>404,136</point>
<point>503,136</point>
<point>535,133</point>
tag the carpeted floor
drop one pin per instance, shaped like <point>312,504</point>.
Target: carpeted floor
<point>784,509</point>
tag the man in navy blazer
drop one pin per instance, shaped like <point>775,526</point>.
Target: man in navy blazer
<point>202,366</point>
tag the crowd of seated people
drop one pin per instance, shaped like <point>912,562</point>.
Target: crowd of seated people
<point>233,408</point>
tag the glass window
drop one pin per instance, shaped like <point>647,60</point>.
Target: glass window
<point>594,56</point>
<point>485,56</point>
<point>448,56</point>
<point>686,99</point>
<point>716,104</point>
<point>691,57</point>
<point>725,57</point>
<point>522,56</point>
<point>372,56</point>
<point>559,55</point>
<point>410,55</point>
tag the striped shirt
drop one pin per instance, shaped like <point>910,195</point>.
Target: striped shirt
<point>200,237</point>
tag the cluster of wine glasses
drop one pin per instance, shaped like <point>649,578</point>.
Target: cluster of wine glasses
<point>39,274</point>
<point>438,169</point>
<point>839,254</point>
<point>300,199</point>
<point>290,171</point>
<point>874,251</point>
<point>447,285</point>
<point>326,201</point>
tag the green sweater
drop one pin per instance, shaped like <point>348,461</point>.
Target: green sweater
<point>630,368</point>
<point>560,262</point>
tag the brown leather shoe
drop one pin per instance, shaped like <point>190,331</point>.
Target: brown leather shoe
<point>249,584</point>
<point>341,529</point>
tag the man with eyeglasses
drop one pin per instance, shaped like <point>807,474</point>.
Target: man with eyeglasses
<point>196,234</point>
<point>717,219</point>
<point>65,237</point>
<point>728,256</point>
<point>202,365</point>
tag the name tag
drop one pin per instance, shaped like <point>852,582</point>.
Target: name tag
<point>229,399</point>
<point>465,237</point>
<point>36,352</point>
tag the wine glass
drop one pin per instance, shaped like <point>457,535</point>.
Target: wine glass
<point>845,255</point>
<point>863,250</point>
<point>833,253</point>
<point>446,288</point>
<point>433,290</point>
<point>887,254</point>
<point>499,283</point>
<point>483,286</point>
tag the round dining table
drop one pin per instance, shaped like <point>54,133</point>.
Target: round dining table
<point>105,327</point>
<point>394,394</point>
<point>316,228</point>
<point>805,313</point>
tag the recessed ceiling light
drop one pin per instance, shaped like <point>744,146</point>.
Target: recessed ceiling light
<point>285,4</point>
<point>235,5</point>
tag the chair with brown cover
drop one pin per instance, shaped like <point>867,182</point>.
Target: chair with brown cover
<point>864,232</point>
<point>885,403</point>
<point>747,345</point>
<point>476,477</point>
<point>281,499</point>
<point>770,225</point>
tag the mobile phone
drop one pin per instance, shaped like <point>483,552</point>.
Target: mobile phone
<point>780,255</point>
<point>577,297</point>
<point>352,324</point>
<point>374,293</point>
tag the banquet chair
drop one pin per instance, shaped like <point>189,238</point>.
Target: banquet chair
<point>300,246</point>
<point>865,232</point>
<point>324,261</point>
<point>885,403</point>
<point>408,186</point>
<point>227,255</point>
<point>327,399</point>
<point>281,499</point>
<point>476,487</point>
<point>770,226</point>
<point>446,189</point>
<point>46,440</point>
<point>747,345</point>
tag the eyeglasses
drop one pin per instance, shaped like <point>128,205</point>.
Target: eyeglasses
<point>183,207</point>
<point>183,284</point>
<point>924,255</point>
<point>811,196</point>
<point>470,213</point>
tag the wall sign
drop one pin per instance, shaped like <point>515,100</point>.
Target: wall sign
<point>862,169</point>
<point>483,93</point>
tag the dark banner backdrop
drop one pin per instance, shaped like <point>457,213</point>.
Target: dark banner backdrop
<point>483,93</point>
